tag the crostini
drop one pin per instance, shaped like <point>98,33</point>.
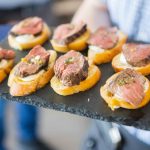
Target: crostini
<point>104,44</point>
<point>28,33</point>
<point>6,62</point>
<point>33,72</point>
<point>127,89</point>
<point>70,36</point>
<point>73,74</point>
<point>135,56</point>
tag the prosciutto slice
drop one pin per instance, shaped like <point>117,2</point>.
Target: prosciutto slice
<point>129,86</point>
<point>6,54</point>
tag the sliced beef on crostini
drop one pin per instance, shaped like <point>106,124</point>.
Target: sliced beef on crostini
<point>71,68</point>
<point>25,69</point>
<point>67,33</point>
<point>128,86</point>
<point>36,59</point>
<point>105,38</point>
<point>32,25</point>
<point>6,54</point>
<point>137,55</point>
<point>38,52</point>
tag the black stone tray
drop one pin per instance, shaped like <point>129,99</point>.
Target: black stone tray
<point>88,103</point>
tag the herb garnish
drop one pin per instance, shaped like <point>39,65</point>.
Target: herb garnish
<point>69,60</point>
<point>126,80</point>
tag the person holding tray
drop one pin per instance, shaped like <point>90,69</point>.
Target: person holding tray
<point>131,17</point>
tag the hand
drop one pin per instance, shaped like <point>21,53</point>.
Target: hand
<point>94,13</point>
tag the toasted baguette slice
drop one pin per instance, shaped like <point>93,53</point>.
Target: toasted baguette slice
<point>119,65</point>
<point>99,56</point>
<point>115,102</point>
<point>94,75</point>
<point>5,68</point>
<point>27,85</point>
<point>38,40</point>
<point>79,44</point>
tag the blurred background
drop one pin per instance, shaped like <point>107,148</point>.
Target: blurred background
<point>54,12</point>
<point>61,130</point>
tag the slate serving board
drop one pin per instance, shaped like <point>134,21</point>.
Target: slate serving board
<point>88,103</point>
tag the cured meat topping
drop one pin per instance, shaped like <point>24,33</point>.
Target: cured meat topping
<point>37,58</point>
<point>71,68</point>
<point>67,33</point>
<point>32,25</point>
<point>6,54</point>
<point>105,38</point>
<point>129,86</point>
<point>137,55</point>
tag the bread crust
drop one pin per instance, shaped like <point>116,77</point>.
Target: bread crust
<point>79,44</point>
<point>106,56</point>
<point>118,66</point>
<point>94,75</point>
<point>25,86</point>
<point>114,102</point>
<point>39,40</point>
<point>5,70</point>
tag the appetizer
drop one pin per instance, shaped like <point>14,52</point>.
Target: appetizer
<point>70,36</point>
<point>127,89</point>
<point>33,72</point>
<point>6,62</point>
<point>135,56</point>
<point>28,33</point>
<point>104,44</point>
<point>73,74</point>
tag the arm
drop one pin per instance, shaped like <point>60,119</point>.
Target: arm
<point>94,13</point>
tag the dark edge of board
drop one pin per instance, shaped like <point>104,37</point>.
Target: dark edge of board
<point>36,101</point>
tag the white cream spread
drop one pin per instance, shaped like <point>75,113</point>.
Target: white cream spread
<point>146,85</point>
<point>36,60</point>
<point>96,49</point>
<point>3,63</point>
<point>123,62</point>
<point>119,97</point>
<point>24,38</point>
<point>123,59</point>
